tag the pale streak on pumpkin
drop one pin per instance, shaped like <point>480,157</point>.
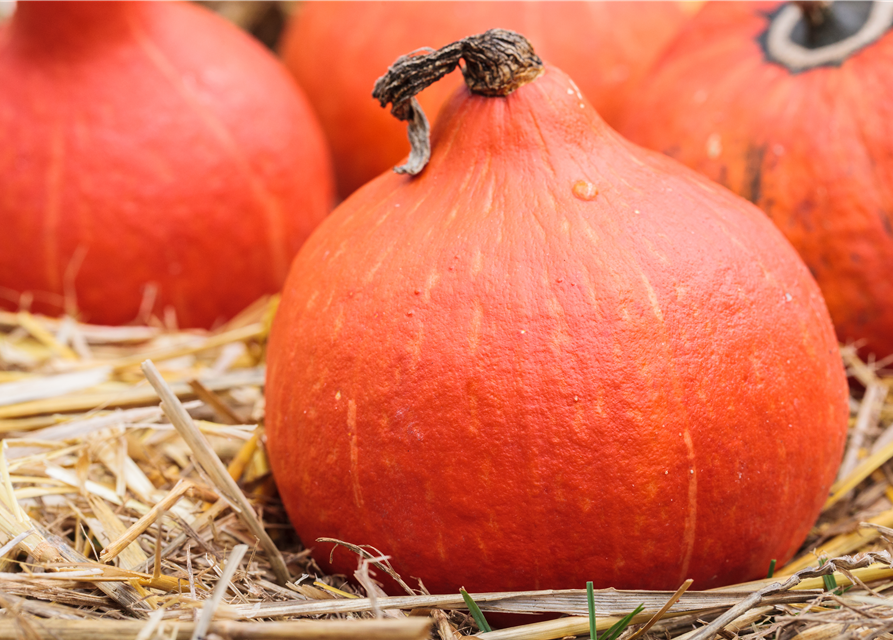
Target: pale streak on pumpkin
<point>474,334</point>
<point>339,322</point>
<point>477,261</point>
<point>387,250</point>
<point>430,283</point>
<point>689,531</point>
<point>354,451</point>
<point>269,204</point>
<point>54,197</point>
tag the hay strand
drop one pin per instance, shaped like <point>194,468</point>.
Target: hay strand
<point>129,536</point>
<point>386,629</point>
<point>212,465</point>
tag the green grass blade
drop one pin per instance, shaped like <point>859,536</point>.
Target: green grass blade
<point>590,597</point>
<point>771,568</point>
<point>620,626</point>
<point>829,581</point>
<point>475,610</point>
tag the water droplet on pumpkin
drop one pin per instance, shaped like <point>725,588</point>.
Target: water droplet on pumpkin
<point>585,190</point>
<point>570,92</point>
<point>560,280</point>
<point>417,291</point>
<point>338,396</point>
<point>409,313</point>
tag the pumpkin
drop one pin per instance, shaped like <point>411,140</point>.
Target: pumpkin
<point>605,46</point>
<point>550,356</point>
<point>794,117</point>
<point>154,157</point>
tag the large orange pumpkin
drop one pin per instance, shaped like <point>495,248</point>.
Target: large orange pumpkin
<point>552,357</point>
<point>337,49</point>
<point>796,118</point>
<point>152,155</point>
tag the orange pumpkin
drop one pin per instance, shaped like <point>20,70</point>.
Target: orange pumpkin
<point>336,50</point>
<point>795,118</point>
<point>551,357</point>
<point>153,155</point>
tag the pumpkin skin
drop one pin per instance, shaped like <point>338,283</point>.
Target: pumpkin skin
<point>604,46</point>
<point>150,143</point>
<point>813,149</point>
<point>505,381</point>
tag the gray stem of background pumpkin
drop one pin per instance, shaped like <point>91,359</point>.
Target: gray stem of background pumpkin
<point>815,11</point>
<point>496,63</point>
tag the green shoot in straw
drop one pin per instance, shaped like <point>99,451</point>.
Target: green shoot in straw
<point>620,626</point>
<point>475,610</point>
<point>829,580</point>
<point>590,597</point>
<point>771,568</point>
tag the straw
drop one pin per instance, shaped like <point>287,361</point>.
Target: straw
<point>212,465</point>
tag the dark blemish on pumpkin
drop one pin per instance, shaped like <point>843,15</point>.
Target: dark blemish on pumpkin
<point>753,172</point>
<point>804,214</point>
<point>673,151</point>
<point>885,219</point>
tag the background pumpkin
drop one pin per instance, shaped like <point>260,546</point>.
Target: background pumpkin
<point>336,50</point>
<point>812,144</point>
<point>552,357</point>
<point>149,143</point>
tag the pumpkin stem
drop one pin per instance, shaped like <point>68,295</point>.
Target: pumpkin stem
<point>496,63</point>
<point>815,12</point>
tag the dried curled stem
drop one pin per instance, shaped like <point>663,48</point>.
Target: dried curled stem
<point>496,63</point>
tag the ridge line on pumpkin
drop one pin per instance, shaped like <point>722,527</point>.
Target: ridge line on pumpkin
<point>267,201</point>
